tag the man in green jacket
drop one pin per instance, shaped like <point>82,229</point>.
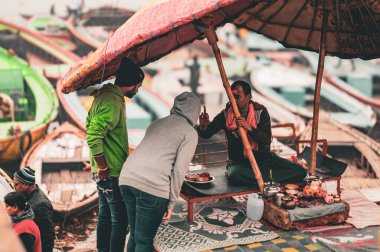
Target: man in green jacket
<point>107,139</point>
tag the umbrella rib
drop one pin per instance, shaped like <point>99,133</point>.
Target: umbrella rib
<point>294,19</point>
<point>369,37</point>
<point>337,21</point>
<point>175,32</point>
<point>224,14</point>
<point>312,26</point>
<point>270,18</point>
<point>353,27</point>
<point>375,22</point>
<point>371,15</point>
<point>262,8</point>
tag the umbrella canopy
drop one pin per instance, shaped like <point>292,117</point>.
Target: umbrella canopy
<point>154,31</point>
<point>343,28</point>
<point>352,30</point>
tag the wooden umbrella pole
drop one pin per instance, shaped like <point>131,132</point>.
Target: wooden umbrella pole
<point>212,39</point>
<point>317,95</point>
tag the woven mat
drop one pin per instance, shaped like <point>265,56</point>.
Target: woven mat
<point>362,211</point>
<point>217,224</point>
<point>293,241</point>
<point>347,238</point>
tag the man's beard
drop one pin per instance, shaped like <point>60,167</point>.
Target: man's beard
<point>130,95</point>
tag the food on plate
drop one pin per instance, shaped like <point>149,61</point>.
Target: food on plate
<point>313,191</point>
<point>192,177</point>
<point>204,175</point>
<point>291,186</point>
<point>292,192</point>
<point>199,177</point>
<point>329,199</point>
<point>202,179</point>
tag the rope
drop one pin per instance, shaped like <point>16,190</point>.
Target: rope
<point>105,49</point>
<point>22,141</point>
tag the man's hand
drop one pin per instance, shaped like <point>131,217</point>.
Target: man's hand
<point>102,166</point>
<point>241,122</point>
<point>204,121</point>
<point>103,174</point>
<point>167,215</point>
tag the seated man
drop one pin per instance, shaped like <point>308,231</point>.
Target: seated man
<point>256,122</point>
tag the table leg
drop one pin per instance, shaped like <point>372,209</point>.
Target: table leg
<point>190,211</point>
<point>338,187</point>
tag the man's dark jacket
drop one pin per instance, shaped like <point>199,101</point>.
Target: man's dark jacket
<point>43,211</point>
<point>262,135</point>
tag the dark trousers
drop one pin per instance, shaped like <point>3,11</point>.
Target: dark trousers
<point>283,170</point>
<point>145,212</point>
<point>112,218</point>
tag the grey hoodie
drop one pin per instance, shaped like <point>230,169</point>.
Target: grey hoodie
<point>160,162</point>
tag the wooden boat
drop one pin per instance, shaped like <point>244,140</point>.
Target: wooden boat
<point>358,78</point>
<point>293,89</point>
<point>72,105</point>
<point>358,150</point>
<point>35,103</point>
<point>49,59</point>
<point>62,172</point>
<point>32,46</point>
<point>6,184</point>
<point>54,28</point>
<point>96,24</point>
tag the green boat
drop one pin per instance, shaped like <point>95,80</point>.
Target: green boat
<point>55,29</point>
<point>32,103</point>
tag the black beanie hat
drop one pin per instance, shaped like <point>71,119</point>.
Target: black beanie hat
<point>26,176</point>
<point>128,74</point>
<point>15,199</point>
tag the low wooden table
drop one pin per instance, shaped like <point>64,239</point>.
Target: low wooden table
<point>192,194</point>
<point>192,197</point>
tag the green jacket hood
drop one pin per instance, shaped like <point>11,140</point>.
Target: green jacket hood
<point>188,106</point>
<point>108,88</point>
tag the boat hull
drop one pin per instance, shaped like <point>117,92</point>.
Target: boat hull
<point>11,148</point>
<point>57,178</point>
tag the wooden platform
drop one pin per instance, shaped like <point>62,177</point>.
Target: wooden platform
<point>279,217</point>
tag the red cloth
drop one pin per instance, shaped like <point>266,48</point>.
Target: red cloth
<point>30,227</point>
<point>231,124</point>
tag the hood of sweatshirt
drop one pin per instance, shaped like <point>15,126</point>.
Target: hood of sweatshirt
<point>188,106</point>
<point>108,88</point>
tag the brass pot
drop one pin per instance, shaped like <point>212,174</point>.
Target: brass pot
<point>271,189</point>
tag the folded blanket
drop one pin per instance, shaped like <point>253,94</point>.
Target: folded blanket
<point>299,214</point>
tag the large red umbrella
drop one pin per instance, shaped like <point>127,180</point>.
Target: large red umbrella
<point>343,28</point>
<point>156,30</point>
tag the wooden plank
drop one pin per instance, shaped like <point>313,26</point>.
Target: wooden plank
<point>66,176</point>
<point>46,178</point>
<point>66,195</point>
<point>80,176</point>
<point>371,156</point>
<point>55,178</point>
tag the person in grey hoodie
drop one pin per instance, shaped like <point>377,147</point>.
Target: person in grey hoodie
<point>152,176</point>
